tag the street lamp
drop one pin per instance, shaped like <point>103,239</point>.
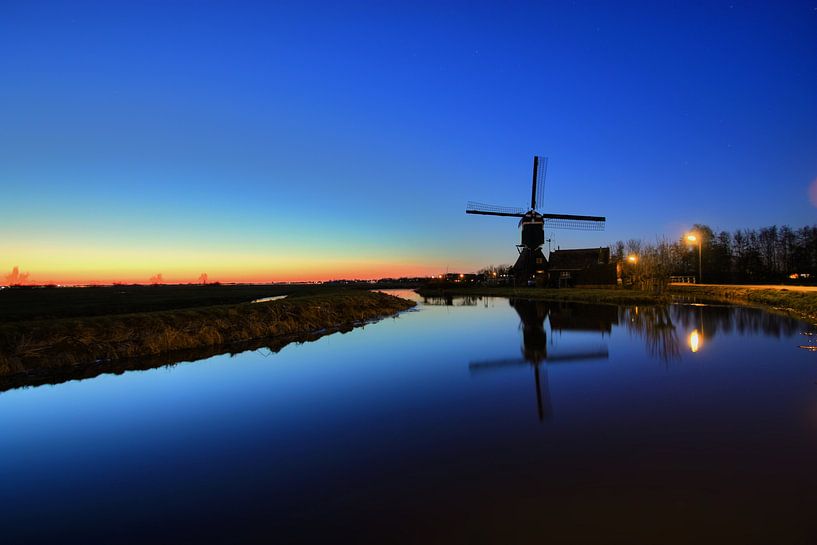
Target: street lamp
<point>696,238</point>
<point>632,258</point>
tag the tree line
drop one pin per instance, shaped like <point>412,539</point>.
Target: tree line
<point>769,254</point>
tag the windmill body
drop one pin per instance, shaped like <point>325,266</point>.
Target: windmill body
<point>531,263</point>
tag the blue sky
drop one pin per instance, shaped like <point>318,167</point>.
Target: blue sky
<point>330,136</point>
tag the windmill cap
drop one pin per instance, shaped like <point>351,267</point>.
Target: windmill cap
<point>532,216</point>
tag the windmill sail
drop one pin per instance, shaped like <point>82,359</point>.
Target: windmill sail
<point>600,353</point>
<point>575,222</point>
<point>540,172</point>
<point>493,210</point>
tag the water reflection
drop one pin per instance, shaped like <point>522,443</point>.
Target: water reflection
<point>811,342</point>
<point>715,320</point>
<point>656,326</point>
<point>563,317</point>
<point>663,329</point>
<point>694,340</point>
<point>451,301</point>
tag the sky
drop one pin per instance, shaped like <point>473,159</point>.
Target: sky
<point>275,141</point>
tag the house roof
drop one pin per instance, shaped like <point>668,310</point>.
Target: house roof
<point>578,259</point>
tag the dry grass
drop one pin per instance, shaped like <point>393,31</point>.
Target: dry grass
<point>34,346</point>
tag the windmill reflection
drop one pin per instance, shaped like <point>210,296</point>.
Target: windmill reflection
<point>563,317</point>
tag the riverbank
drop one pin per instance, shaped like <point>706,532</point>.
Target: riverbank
<point>800,303</point>
<point>794,300</point>
<point>37,348</point>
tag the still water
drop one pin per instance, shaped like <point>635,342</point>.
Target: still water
<point>478,420</point>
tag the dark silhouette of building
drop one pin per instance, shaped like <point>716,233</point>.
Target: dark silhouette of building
<point>531,265</point>
<point>582,267</point>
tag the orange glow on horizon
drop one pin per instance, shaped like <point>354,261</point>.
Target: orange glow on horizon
<point>315,274</point>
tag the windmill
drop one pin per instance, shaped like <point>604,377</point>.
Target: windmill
<point>531,262</point>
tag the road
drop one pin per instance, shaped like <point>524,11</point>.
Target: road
<point>753,286</point>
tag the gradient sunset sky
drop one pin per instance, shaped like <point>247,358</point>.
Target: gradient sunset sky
<point>276,141</point>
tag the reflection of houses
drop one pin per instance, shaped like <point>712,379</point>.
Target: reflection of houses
<point>582,267</point>
<point>568,316</point>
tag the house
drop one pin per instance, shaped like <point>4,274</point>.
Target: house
<point>463,278</point>
<point>582,267</point>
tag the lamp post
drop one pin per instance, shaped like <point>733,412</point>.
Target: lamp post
<point>697,238</point>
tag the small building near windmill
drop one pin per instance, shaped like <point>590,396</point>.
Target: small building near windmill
<point>582,267</point>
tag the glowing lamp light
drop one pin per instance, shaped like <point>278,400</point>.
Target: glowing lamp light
<point>695,340</point>
<point>632,258</point>
<point>692,238</point>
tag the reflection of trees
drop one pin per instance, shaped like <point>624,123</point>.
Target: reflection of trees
<point>657,324</point>
<point>715,319</point>
<point>654,324</point>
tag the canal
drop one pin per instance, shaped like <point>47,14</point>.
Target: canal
<point>467,420</point>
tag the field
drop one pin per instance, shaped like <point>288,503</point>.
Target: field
<point>30,303</point>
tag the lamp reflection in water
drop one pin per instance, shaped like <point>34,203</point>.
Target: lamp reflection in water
<point>563,317</point>
<point>695,340</point>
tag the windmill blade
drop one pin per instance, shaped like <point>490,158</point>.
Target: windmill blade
<point>493,210</point>
<point>600,354</point>
<point>533,182</point>
<point>477,366</point>
<point>576,222</point>
<point>540,172</point>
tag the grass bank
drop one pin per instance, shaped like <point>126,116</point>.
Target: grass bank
<point>35,349</point>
